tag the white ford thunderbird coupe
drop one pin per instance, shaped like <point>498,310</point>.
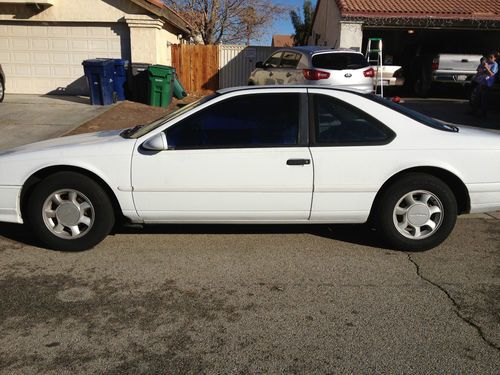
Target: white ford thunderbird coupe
<point>258,155</point>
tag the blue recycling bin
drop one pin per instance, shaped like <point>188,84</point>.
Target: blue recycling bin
<point>100,76</point>
<point>121,67</point>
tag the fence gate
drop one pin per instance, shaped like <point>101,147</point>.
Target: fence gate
<point>197,67</point>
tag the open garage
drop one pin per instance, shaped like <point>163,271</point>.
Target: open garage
<point>412,32</point>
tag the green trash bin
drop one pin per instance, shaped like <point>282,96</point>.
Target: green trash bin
<point>179,92</point>
<point>161,85</point>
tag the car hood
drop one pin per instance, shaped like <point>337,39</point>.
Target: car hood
<point>71,142</point>
<point>96,152</point>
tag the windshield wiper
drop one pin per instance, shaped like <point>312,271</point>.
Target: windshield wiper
<point>127,133</point>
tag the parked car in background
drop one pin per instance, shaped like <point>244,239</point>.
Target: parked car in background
<point>273,154</point>
<point>2,84</point>
<point>451,68</point>
<point>312,65</point>
<point>392,75</point>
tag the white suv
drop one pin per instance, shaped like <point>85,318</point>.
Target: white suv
<point>311,65</point>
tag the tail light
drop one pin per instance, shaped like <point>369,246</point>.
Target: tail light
<point>435,63</point>
<point>369,73</point>
<point>315,75</point>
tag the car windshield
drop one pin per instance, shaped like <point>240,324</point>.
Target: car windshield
<point>414,115</point>
<point>143,130</point>
<point>339,61</point>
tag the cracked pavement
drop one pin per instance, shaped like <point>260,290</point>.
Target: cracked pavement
<point>251,299</point>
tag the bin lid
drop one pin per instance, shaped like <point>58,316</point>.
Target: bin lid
<point>97,62</point>
<point>161,70</point>
<point>121,62</point>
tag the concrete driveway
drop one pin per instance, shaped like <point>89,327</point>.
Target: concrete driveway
<point>31,118</point>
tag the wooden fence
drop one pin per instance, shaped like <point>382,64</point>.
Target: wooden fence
<point>204,69</point>
<point>197,67</point>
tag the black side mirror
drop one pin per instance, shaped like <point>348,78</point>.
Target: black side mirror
<point>259,65</point>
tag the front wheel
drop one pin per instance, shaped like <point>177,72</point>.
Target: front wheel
<point>417,212</point>
<point>69,211</point>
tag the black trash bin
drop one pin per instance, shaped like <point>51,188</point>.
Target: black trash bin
<point>121,67</point>
<point>137,82</point>
<point>100,77</point>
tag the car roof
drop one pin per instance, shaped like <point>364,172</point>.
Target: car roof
<point>281,87</point>
<point>311,50</point>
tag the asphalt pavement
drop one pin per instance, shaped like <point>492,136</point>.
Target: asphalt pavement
<point>228,299</point>
<point>251,299</point>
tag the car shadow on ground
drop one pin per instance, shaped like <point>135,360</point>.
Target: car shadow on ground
<point>355,234</point>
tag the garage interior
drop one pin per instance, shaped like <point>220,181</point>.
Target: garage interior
<point>414,48</point>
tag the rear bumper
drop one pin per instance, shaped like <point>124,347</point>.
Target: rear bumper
<point>9,204</point>
<point>484,198</point>
<point>463,78</point>
<point>393,81</point>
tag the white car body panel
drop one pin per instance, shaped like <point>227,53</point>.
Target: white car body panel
<point>104,154</point>
<point>244,184</point>
<point>255,184</point>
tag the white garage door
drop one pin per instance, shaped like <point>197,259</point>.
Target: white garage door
<point>47,59</point>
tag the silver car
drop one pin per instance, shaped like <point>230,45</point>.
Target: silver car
<point>312,65</point>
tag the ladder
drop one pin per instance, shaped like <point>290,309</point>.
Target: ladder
<point>374,56</point>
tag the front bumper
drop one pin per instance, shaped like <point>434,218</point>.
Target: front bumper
<point>10,204</point>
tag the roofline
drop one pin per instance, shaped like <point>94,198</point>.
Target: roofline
<point>434,17</point>
<point>166,13</point>
<point>281,87</point>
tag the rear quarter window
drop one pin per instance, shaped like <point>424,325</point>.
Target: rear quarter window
<point>339,61</point>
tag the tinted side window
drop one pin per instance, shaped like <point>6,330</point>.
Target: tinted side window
<point>242,121</point>
<point>339,123</point>
<point>274,60</point>
<point>339,61</point>
<point>290,60</point>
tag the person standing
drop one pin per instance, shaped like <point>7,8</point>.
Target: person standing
<point>484,80</point>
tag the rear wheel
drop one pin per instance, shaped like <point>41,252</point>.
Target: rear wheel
<point>2,90</point>
<point>417,212</point>
<point>69,211</point>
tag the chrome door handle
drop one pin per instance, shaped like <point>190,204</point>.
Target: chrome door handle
<point>298,162</point>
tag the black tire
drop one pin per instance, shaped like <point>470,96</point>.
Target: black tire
<point>387,201</point>
<point>103,212</point>
<point>2,90</point>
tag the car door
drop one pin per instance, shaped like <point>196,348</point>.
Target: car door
<point>269,75</point>
<point>289,73</point>
<point>351,155</point>
<point>242,158</point>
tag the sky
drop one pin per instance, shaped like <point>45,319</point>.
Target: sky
<point>281,26</point>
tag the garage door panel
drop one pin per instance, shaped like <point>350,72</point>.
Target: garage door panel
<point>21,57</point>
<point>59,44</point>
<point>40,44</point>
<point>80,45</point>
<point>42,59</point>
<point>21,44</point>
<point>42,71</point>
<point>4,43</point>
